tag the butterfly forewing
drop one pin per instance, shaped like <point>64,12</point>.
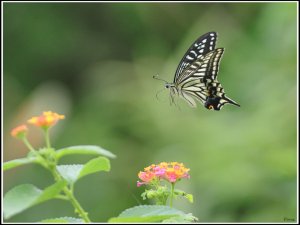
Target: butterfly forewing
<point>199,48</point>
<point>205,68</point>
<point>200,81</point>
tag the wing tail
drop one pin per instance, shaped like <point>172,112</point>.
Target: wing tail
<point>230,101</point>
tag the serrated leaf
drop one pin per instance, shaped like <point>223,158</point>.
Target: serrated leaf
<point>63,220</point>
<point>70,172</point>
<point>18,162</point>
<point>26,195</point>
<point>187,218</point>
<point>147,210</point>
<point>84,150</point>
<point>149,219</point>
<point>147,213</point>
<point>95,165</point>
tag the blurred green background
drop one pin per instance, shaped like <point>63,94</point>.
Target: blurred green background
<point>95,62</point>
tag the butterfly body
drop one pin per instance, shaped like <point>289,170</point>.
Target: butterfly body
<point>196,75</point>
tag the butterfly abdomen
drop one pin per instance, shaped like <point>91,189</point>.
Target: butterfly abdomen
<point>213,103</point>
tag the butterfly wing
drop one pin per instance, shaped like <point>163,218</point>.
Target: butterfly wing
<point>199,80</point>
<point>199,48</point>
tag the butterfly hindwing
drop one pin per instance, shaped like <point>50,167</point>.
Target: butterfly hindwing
<point>199,48</point>
<point>212,62</point>
<point>200,81</point>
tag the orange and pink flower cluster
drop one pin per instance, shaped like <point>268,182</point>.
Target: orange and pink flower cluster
<point>171,172</point>
<point>19,131</point>
<point>46,120</point>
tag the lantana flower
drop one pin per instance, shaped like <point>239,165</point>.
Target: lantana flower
<point>46,120</point>
<point>19,131</point>
<point>171,172</point>
<point>175,171</point>
<point>146,177</point>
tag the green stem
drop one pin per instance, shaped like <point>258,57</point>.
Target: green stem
<point>69,194</point>
<point>47,137</point>
<point>67,191</point>
<point>28,145</point>
<point>77,206</point>
<point>62,197</point>
<point>172,194</point>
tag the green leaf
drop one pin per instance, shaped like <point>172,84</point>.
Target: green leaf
<point>95,165</point>
<point>26,195</point>
<point>18,162</point>
<point>51,191</point>
<point>181,193</point>
<point>72,173</point>
<point>147,213</point>
<point>187,218</point>
<point>20,198</point>
<point>63,220</point>
<point>189,197</point>
<point>133,219</point>
<point>84,150</point>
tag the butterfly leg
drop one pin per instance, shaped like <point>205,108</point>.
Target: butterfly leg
<point>171,97</point>
<point>173,93</point>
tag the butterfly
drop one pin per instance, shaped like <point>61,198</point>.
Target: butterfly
<point>196,75</point>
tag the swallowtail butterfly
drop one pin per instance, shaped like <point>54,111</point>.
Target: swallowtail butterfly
<point>196,75</point>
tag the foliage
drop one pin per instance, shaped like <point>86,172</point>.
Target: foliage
<point>153,213</point>
<point>25,196</point>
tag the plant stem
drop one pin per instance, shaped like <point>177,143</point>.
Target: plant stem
<point>62,197</point>
<point>69,193</point>
<point>47,137</point>
<point>28,145</point>
<point>77,206</point>
<point>172,194</point>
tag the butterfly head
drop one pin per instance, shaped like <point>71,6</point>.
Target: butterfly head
<point>169,85</point>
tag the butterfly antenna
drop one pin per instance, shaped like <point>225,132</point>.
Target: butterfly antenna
<point>157,78</point>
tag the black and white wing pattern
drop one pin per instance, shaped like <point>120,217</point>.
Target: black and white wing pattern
<point>205,68</point>
<point>199,48</point>
<point>198,78</point>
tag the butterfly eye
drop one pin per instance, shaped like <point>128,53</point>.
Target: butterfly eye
<point>210,107</point>
<point>167,86</point>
